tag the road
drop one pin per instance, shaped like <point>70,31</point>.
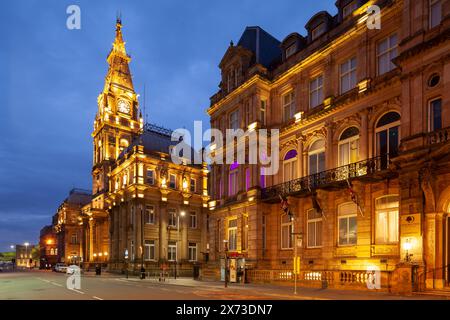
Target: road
<point>47,285</point>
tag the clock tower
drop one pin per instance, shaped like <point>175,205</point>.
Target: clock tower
<point>118,119</point>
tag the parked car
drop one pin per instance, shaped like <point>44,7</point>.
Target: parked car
<point>60,267</point>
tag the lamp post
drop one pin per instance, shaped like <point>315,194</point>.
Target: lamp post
<point>26,244</point>
<point>225,242</point>
<point>15,256</point>
<point>126,262</point>
<point>407,246</point>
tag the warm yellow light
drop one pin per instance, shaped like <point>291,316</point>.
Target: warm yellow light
<point>164,199</point>
<point>251,199</point>
<point>182,213</point>
<point>185,184</point>
<point>185,202</point>
<point>164,182</point>
<point>252,126</point>
<point>95,254</point>
<point>298,116</point>
<point>100,254</point>
<point>407,245</point>
<point>106,253</point>
<point>49,241</point>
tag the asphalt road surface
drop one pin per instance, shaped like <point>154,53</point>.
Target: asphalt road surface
<point>47,285</point>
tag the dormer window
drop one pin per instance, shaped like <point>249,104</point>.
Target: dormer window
<point>348,9</point>
<point>318,31</point>
<point>291,50</point>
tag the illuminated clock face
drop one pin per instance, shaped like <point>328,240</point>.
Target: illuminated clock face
<point>124,106</point>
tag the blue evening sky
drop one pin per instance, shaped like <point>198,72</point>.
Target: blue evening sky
<point>51,76</point>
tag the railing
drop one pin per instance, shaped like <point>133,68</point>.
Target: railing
<point>328,177</point>
<point>439,136</point>
<point>355,279</point>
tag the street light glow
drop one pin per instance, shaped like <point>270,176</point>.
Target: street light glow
<point>182,213</point>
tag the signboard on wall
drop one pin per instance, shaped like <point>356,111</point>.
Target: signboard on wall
<point>233,270</point>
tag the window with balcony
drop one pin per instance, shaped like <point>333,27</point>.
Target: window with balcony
<point>347,214</point>
<point>347,75</point>
<point>349,146</point>
<point>149,216</point>
<point>233,180</point>
<point>232,235</point>
<point>316,157</point>
<point>435,13</point>
<point>316,92</point>
<point>387,219</point>
<point>288,106</point>
<point>149,250</point>
<point>290,166</point>
<point>386,51</point>
<point>314,221</point>
<point>387,137</point>
<point>435,115</point>
<point>287,228</point>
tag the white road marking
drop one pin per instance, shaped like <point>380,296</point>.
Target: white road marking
<point>56,284</point>
<point>97,298</point>
<point>77,291</point>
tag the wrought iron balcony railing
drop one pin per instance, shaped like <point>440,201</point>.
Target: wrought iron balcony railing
<point>328,178</point>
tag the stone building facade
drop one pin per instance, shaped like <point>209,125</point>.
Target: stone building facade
<point>364,123</point>
<point>145,209</point>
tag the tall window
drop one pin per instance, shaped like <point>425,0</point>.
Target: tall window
<point>172,218</point>
<point>172,251</point>
<point>193,185</point>
<point>192,251</point>
<point>387,220</point>
<point>290,166</point>
<point>435,115</point>
<point>314,228</point>
<point>150,177</point>
<point>247,179</point>
<point>234,120</point>
<point>287,228</point>
<point>316,156</point>
<point>263,112</point>
<point>193,220</point>
<point>318,31</point>
<point>232,235</point>
<point>233,179</point>
<point>288,106</point>
<point>388,137</point>
<point>316,92</point>
<point>386,51</point>
<point>244,232</point>
<point>435,13</point>
<point>347,213</point>
<point>149,216</point>
<point>172,181</point>
<point>149,250</point>
<point>74,238</point>
<point>348,75</point>
<point>349,146</point>
<point>348,9</point>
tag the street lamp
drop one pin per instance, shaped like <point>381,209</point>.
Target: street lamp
<point>407,246</point>
<point>26,244</point>
<point>225,243</point>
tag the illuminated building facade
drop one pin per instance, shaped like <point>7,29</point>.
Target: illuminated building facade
<point>48,247</point>
<point>146,210</point>
<point>364,118</point>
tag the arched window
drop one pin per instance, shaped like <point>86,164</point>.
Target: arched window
<point>349,146</point>
<point>347,213</point>
<point>316,156</point>
<point>388,137</point>
<point>290,166</point>
<point>233,179</point>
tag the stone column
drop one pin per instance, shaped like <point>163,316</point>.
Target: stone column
<point>163,231</point>
<point>300,172</point>
<point>329,147</point>
<point>91,239</point>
